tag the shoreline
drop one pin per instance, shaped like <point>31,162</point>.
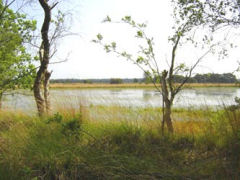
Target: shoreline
<point>136,85</point>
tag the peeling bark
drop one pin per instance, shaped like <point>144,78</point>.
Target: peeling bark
<point>37,94</point>
<point>46,91</point>
<point>42,74</point>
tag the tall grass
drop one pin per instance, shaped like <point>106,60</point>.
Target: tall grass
<point>111,142</point>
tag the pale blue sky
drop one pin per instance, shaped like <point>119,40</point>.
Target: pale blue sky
<point>88,60</point>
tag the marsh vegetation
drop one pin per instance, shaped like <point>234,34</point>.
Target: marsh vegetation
<point>114,142</point>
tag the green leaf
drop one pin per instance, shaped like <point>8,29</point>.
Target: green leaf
<point>100,37</point>
<point>139,34</point>
<point>127,19</point>
<point>114,45</point>
<point>107,19</point>
<point>140,60</point>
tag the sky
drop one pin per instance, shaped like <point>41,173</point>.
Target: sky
<point>87,60</point>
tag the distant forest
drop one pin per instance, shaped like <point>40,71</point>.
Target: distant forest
<point>198,78</point>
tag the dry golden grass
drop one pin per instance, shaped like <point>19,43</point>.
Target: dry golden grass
<point>134,85</point>
<point>190,127</point>
<point>102,142</point>
<point>96,85</point>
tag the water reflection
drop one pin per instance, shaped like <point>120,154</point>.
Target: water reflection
<point>147,95</point>
<point>115,91</point>
<point>195,97</point>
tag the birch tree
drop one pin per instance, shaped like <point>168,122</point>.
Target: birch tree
<point>52,30</point>
<point>163,79</point>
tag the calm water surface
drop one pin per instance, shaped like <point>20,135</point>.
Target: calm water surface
<point>196,97</point>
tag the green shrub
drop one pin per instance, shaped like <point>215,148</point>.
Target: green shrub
<point>71,128</point>
<point>56,118</point>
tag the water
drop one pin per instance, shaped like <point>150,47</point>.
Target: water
<point>195,97</point>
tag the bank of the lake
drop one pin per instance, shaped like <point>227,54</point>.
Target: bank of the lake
<point>73,144</point>
<point>135,85</point>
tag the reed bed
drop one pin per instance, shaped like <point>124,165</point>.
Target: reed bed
<point>134,85</point>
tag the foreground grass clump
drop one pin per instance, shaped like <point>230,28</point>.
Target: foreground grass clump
<point>71,145</point>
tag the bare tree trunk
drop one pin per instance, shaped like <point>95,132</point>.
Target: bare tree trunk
<point>167,103</point>
<point>163,112</point>
<point>46,91</point>
<point>37,92</point>
<point>1,95</point>
<point>167,117</point>
<point>44,60</point>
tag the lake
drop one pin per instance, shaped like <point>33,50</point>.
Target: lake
<point>194,97</point>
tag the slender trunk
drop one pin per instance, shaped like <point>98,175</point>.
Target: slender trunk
<point>44,61</point>
<point>167,103</point>
<point>167,117</point>
<point>163,112</point>
<point>1,95</point>
<point>37,92</point>
<point>46,91</point>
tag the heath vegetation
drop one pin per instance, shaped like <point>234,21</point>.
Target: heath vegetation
<point>112,141</point>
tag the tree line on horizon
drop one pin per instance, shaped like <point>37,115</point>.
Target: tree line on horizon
<point>198,78</point>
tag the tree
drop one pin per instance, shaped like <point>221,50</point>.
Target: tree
<point>163,79</point>
<point>116,81</point>
<point>16,68</point>
<point>216,14</point>
<point>87,81</point>
<point>146,78</point>
<point>5,5</point>
<point>44,55</point>
<point>135,80</point>
<point>47,49</point>
<point>220,13</point>
<point>215,78</point>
